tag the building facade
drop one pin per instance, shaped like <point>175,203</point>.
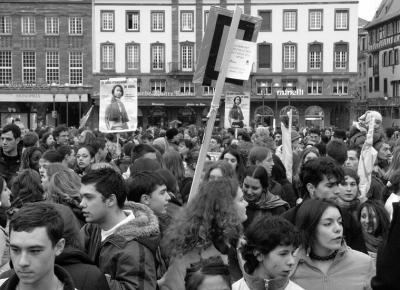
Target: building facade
<point>45,61</point>
<point>383,62</point>
<point>306,58</point>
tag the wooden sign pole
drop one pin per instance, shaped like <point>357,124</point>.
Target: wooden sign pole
<point>215,102</point>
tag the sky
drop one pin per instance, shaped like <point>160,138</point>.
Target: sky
<point>367,8</point>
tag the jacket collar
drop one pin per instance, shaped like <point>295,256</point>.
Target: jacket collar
<point>302,255</point>
<point>144,227</point>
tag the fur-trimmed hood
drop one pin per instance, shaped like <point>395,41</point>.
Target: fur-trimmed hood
<point>144,227</point>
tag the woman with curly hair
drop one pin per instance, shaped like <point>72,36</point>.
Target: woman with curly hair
<point>30,158</point>
<point>63,187</point>
<point>47,141</point>
<point>235,159</point>
<point>268,255</point>
<point>207,227</point>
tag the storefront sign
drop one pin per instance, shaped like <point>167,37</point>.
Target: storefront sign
<point>42,98</point>
<point>298,92</point>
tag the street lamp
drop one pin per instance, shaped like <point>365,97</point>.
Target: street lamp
<point>263,87</point>
<point>289,86</point>
<point>276,86</point>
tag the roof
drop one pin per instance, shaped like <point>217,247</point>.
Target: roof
<point>387,10</point>
<point>362,22</point>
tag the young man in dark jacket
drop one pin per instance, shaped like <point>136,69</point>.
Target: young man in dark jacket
<point>10,151</point>
<point>35,240</point>
<point>121,237</point>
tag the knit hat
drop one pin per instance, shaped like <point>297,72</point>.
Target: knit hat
<point>295,136</point>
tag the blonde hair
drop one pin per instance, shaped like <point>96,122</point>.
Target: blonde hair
<point>64,184</point>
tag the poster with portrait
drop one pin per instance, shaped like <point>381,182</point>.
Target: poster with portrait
<point>237,110</point>
<point>118,105</point>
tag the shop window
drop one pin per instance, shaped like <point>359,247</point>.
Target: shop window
<point>314,87</point>
<point>264,87</point>
<point>340,87</point>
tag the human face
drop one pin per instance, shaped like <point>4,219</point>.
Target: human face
<point>327,133</point>
<point>215,174</point>
<point>278,263</point>
<point>278,137</point>
<point>240,205</point>
<point>50,140</point>
<point>71,159</point>
<point>43,164</point>
<point>63,138</point>
<point>83,158</point>
<point>34,160</point>
<point>310,156</point>
<point>327,188</point>
<point>213,282</point>
<point>348,189</point>
<point>368,220</point>
<point>231,160</point>
<point>295,144</point>
<point>81,137</point>
<point>314,138</point>
<point>182,148</point>
<point>158,199</point>
<point>118,92</point>
<point>93,205</point>
<point>352,160</point>
<point>237,101</point>
<point>268,163</point>
<point>329,232</point>
<point>5,196</point>
<point>9,143</point>
<point>384,152</point>
<point>33,255</point>
<point>252,189</point>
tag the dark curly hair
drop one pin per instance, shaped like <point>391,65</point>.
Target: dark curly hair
<point>208,218</point>
<point>276,231</point>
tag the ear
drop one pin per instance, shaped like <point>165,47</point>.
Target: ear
<point>111,200</point>
<point>145,199</point>
<point>311,189</point>
<point>60,246</point>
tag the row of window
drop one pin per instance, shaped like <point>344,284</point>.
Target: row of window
<point>315,19</point>
<point>374,82</point>
<point>384,31</point>
<point>314,87</point>
<point>29,68</point>
<point>390,57</point>
<point>157,20</point>
<point>315,56</point>
<point>52,25</point>
<point>132,54</point>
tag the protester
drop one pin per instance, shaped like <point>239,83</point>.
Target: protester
<point>174,163</point>
<point>349,192</point>
<point>374,222</point>
<point>205,228</point>
<point>218,169</point>
<point>268,255</point>
<point>68,156</point>
<point>47,141</point>
<point>61,135</point>
<point>84,159</point>
<point>10,151</point>
<point>233,157</point>
<point>120,236</point>
<point>261,202</point>
<point>208,275</point>
<point>35,241</point>
<point>5,203</point>
<point>324,261</point>
<point>30,158</point>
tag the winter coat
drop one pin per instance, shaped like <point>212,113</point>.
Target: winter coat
<point>82,270</point>
<point>387,262</point>
<point>350,270</point>
<point>61,273</point>
<point>127,257</point>
<point>9,165</point>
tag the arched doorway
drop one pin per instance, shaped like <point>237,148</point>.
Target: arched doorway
<point>295,114</point>
<point>157,116</point>
<point>187,116</point>
<point>264,116</point>
<point>314,116</point>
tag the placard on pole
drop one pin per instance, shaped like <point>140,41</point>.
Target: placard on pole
<point>226,31</point>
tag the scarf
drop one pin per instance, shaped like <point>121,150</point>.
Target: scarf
<point>372,243</point>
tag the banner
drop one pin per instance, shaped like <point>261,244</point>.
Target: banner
<point>118,105</point>
<point>237,110</point>
<point>85,118</point>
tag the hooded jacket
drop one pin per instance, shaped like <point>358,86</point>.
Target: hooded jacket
<point>127,257</point>
<point>62,275</point>
<point>267,205</point>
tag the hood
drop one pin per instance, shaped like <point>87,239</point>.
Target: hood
<point>144,227</point>
<point>269,201</point>
<point>72,256</point>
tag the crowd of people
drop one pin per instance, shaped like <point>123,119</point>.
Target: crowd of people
<point>80,209</point>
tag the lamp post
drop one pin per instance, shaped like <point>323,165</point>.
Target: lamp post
<point>53,89</point>
<point>289,86</point>
<point>276,86</point>
<point>263,86</point>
